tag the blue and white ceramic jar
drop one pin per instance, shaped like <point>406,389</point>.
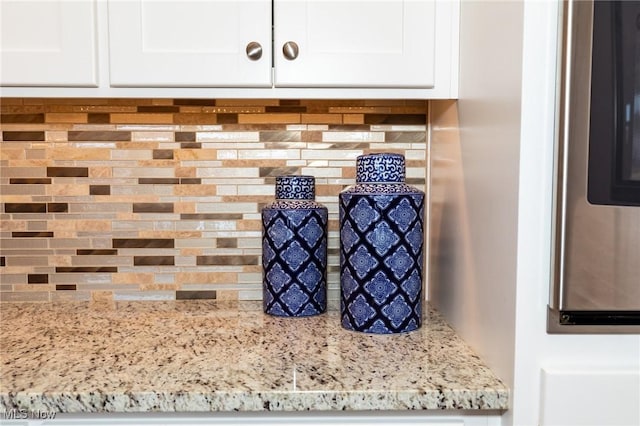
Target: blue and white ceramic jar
<point>381,248</point>
<point>294,250</point>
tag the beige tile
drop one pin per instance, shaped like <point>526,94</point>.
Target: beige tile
<point>167,102</point>
<point>321,118</point>
<point>195,118</point>
<point>243,172</point>
<point>65,117</point>
<point>61,225</point>
<point>353,118</point>
<point>194,190</point>
<point>68,189</point>
<point>101,296</point>
<point>56,136</point>
<point>12,225</point>
<point>284,118</point>
<point>249,225</point>
<point>66,234</point>
<point>25,296</point>
<point>148,172</point>
<point>226,294</point>
<point>93,225</point>
<point>132,146</point>
<point>206,277</point>
<point>12,154</point>
<point>196,154</point>
<point>191,252</point>
<point>100,172</point>
<point>133,277</point>
<point>254,163</point>
<point>72,153</point>
<point>158,287</point>
<point>184,207</point>
<point>138,118</point>
<point>61,260</point>
<point>169,164</point>
<point>186,172</point>
<point>34,165</point>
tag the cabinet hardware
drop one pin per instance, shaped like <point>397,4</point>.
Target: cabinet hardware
<point>290,50</point>
<point>254,50</point>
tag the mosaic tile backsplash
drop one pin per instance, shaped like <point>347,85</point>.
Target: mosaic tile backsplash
<point>148,199</point>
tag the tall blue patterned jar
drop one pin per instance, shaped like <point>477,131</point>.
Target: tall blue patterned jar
<point>381,248</point>
<point>294,250</point>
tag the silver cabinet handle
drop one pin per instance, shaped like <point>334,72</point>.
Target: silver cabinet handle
<point>254,50</point>
<point>290,50</point>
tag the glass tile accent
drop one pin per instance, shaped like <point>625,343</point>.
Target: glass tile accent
<point>106,198</point>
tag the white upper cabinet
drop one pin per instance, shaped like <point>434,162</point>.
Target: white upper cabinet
<point>48,43</point>
<point>231,48</point>
<point>355,43</point>
<point>160,43</point>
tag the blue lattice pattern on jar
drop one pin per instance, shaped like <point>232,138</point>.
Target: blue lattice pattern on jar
<point>294,258</point>
<point>294,187</point>
<point>380,167</point>
<point>381,261</point>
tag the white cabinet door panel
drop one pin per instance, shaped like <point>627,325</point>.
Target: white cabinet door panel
<point>355,43</point>
<point>590,397</point>
<point>160,43</point>
<point>48,43</point>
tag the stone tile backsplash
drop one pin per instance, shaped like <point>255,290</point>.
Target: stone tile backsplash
<point>153,199</point>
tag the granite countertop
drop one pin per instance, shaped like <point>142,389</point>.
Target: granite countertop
<point>190,356</point>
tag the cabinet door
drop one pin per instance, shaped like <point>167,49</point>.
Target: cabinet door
<point>161,43</point>
<point>48,43</point>
<point>381,43</point>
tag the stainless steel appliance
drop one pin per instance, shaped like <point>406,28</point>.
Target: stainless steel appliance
<point>596,283</point>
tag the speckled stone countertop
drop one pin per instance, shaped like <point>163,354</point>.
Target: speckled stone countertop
<point>191,356</point>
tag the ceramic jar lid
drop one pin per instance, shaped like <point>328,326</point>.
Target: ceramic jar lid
<point>294,187</point>
<point>380,168</point>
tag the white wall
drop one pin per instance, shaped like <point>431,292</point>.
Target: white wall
<point>475,168</point>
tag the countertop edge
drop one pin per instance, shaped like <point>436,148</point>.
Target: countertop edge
<point>227,401</point>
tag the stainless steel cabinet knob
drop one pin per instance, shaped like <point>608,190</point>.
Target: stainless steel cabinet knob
<point>290,50</point>
<point>254,50</point>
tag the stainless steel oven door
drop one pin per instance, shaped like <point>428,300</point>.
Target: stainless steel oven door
<point>596,282</point>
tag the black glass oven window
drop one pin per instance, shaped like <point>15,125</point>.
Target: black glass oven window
<point>629,71</point>
<point>614,128</point>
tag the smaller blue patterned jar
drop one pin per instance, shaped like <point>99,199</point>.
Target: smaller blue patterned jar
<point>381,248</point>
<point>294,250</point>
